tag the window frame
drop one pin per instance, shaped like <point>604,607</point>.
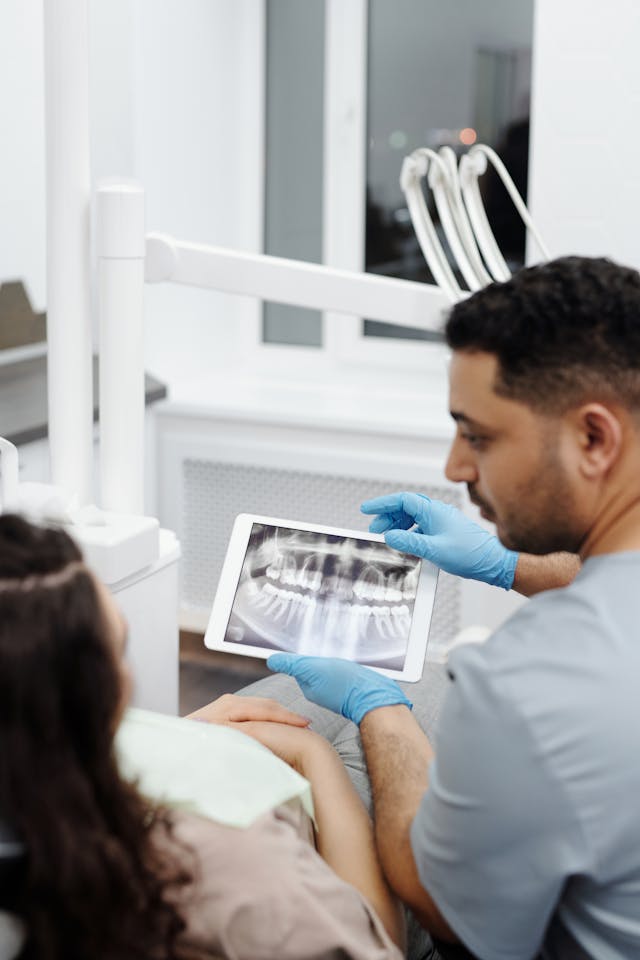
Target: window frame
<point>344,344</point>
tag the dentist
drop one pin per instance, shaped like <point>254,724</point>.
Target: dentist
<point>516,833</point>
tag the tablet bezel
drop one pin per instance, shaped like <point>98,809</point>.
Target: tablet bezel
<point>230,577</point>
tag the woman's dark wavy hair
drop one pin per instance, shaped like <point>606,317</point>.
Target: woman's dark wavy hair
<point>93,882</point>
<point>563,332</point>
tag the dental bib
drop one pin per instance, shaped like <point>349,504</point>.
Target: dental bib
<point>206,769</point>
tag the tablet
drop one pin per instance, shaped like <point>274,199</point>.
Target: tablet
<point>322,591</point>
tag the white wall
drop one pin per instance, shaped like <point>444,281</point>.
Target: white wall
<point>22,172</point>
<point>585,180</point>
<point>111,86</point>
<point>22,158</point>
<point>198,149</point>
<point>176,88</point>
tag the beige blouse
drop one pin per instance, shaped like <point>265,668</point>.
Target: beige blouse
<point>264,893</point>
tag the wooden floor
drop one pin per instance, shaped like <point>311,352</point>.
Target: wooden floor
<point>207,674</point>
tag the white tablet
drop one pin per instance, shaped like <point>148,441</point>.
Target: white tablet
<point>322,591</point>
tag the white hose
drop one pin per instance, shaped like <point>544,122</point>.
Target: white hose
<point>462,216</point>
<point>512,190</point>
<point>469,170</point>
<point>474,264</point>
<point>414,168</point>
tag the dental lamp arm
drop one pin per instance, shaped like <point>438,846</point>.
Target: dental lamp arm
<point>296,283</point>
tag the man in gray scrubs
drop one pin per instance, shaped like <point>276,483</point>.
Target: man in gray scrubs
<point>520,835</point>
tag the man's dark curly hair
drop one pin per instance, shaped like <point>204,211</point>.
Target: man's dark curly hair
<point>563,332</point>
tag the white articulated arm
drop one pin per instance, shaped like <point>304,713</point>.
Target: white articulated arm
<point>401,302</point>
<point>126,259</point>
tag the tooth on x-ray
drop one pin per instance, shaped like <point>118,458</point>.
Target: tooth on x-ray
<point>370,585</point>
<point>310,575</point>
<point>326,595</point>
<point>393,589</point>
<point>274,568</point>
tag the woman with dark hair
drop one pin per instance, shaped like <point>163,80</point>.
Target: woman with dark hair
<point>97,870</point>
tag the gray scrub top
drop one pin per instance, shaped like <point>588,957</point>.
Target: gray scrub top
<point>528,838</point>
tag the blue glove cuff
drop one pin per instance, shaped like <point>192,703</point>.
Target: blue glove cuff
<point>508,572</point>
<point>360,702</point>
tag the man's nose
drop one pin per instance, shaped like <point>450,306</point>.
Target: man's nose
<point>460,466</point>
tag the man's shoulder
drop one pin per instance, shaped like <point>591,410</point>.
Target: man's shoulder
<point>563,660</point>
<point>577,620</point>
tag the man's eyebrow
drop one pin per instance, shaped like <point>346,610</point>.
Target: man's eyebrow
<point>460,417</point>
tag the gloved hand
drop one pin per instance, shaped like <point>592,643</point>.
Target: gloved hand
<point>340,685</point>
<point>443,535</point>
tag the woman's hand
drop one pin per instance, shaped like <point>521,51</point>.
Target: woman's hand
<point>344,834</point>
<point>233,709</point>
<point>297,746</point>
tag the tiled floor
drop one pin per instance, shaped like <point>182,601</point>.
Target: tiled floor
<point>206,674</point>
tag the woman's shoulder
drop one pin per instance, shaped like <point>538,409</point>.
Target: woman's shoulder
<point>278,829</point>
<point>251,887</point>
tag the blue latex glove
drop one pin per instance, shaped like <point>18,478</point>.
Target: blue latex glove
<point>340,685</point>
<point>443,535</point>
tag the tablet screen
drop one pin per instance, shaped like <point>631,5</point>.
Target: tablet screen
<point>325,595</point>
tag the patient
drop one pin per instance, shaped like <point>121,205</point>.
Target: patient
<point>96,869</point>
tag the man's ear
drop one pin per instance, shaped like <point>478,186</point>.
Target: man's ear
<point>599,431</point>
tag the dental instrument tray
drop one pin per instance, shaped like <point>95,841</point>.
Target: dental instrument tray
<point>322,591</point>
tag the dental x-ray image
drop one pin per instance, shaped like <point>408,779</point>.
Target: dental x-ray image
<point>325,595</point>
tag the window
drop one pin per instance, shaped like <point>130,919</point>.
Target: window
<point>354,87</point>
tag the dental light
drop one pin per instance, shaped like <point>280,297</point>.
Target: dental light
<point>463,218</point>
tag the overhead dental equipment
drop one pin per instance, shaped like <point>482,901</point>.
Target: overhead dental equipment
<point>463,219</point>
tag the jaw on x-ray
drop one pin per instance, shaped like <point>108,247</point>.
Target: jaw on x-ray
<point>326,595</point>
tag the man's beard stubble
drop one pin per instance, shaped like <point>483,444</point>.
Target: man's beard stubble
<point>542,520</point>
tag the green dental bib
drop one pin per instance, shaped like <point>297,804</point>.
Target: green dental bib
<point>207,769</point>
